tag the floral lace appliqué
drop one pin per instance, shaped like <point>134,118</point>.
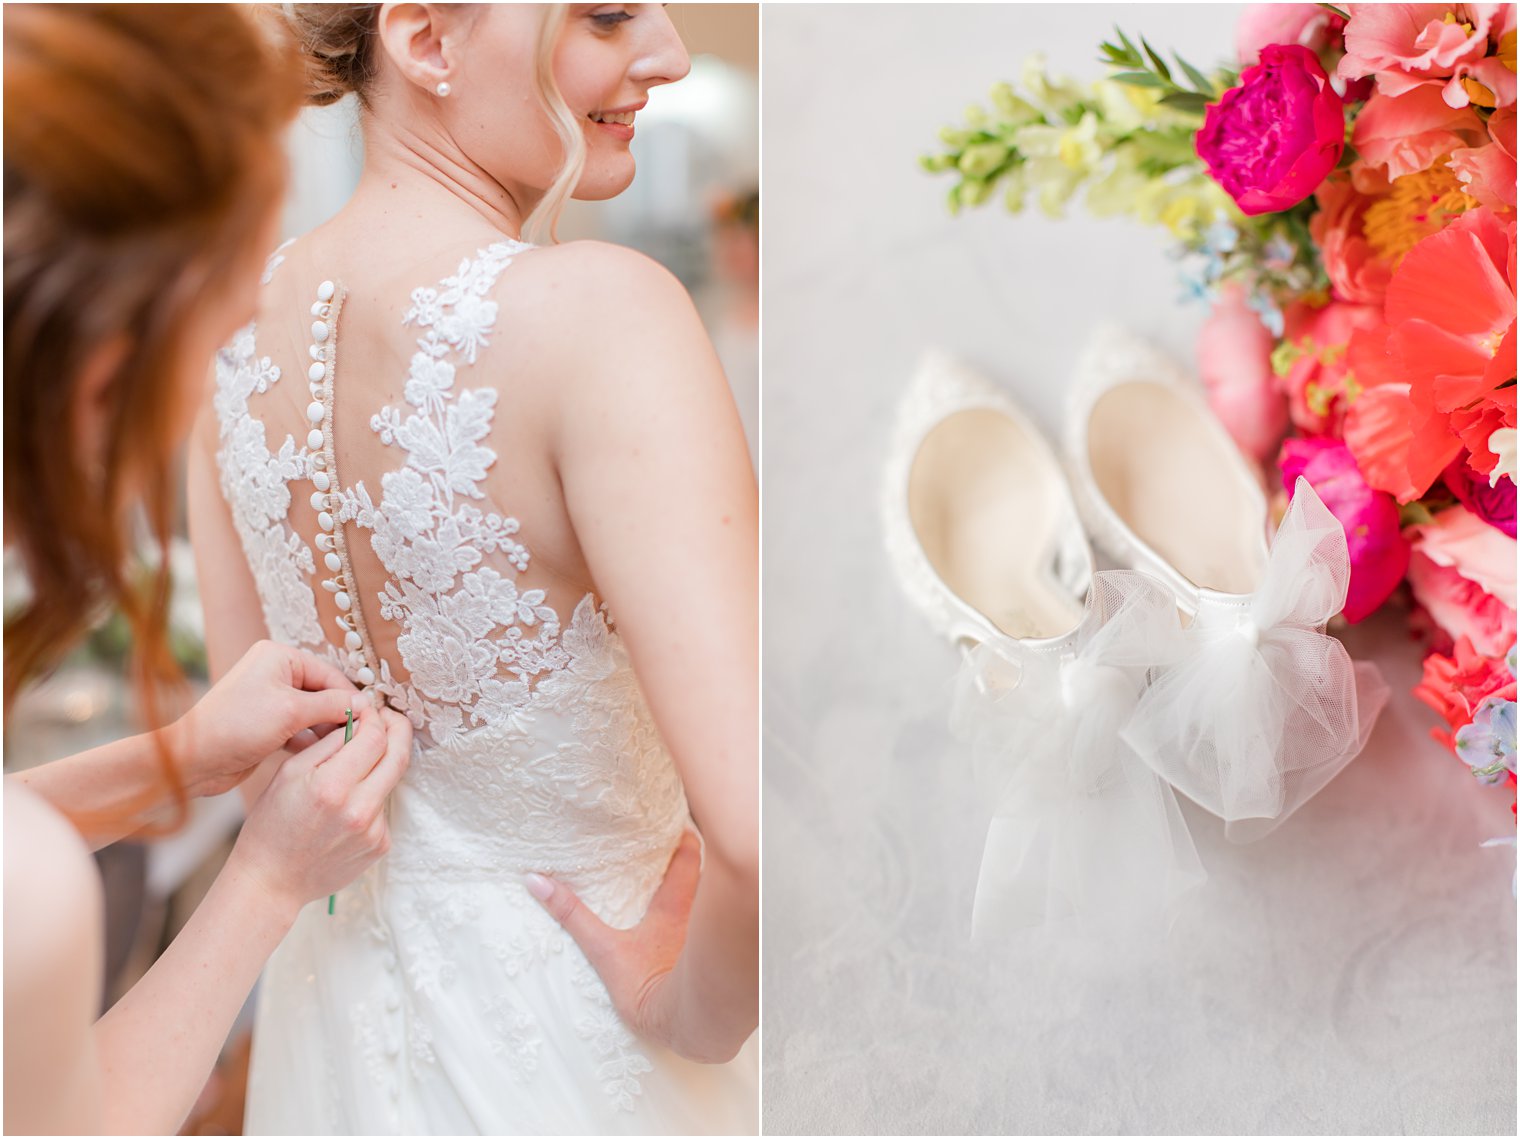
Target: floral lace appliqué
<point>256,485</point>
<point>472,641</point>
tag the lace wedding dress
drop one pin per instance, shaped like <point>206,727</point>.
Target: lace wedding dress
<point>438,996</point>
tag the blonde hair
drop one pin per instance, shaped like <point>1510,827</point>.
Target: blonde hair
<point>539,225</point>
<point>337,43</point>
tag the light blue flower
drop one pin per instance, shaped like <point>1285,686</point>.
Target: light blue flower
<point>1266,308</point>
<point>1487,745</point>
<point>1194,276</point>
<point>1221,237</point>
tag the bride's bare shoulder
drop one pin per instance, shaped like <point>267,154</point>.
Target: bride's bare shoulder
<point>592,303</point>
<point>559,282</point>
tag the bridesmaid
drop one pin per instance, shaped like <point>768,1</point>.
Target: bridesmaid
<point>143,168</point>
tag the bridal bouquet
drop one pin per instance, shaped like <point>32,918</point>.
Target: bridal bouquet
<point>1343,195</point>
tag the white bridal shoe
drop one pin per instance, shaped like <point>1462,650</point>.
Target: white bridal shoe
<point>1253,709</point>
<point>985,539</point>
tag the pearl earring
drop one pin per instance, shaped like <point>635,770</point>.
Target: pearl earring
<point>443,89</point>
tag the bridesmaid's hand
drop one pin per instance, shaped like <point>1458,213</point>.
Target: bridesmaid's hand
<point>321,821</point>
<point>635,964</point>
<point>273,697</point>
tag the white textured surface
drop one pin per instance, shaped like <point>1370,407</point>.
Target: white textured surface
<point>1353,973</point>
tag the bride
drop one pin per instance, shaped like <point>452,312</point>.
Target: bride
<point>503,486</point>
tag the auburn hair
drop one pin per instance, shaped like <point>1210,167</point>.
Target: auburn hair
<point>143,154</point>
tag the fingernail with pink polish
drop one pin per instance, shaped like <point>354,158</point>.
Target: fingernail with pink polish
<point>539,886</point>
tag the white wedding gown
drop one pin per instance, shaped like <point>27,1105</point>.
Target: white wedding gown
<point>438,997</point>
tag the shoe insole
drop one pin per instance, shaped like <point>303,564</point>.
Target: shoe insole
<point>986,502</point>
<point>1175,484</point>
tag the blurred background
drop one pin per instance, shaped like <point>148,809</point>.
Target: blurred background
<point>694,207</point>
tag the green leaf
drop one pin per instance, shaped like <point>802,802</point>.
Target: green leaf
<point>1124,39</point>
<point>1136,78</point>
<point>1186,101</point>
<point>1198,79</point>
<point>1415,514</point>
<point>1156,61</point>
<point>1341,12</point>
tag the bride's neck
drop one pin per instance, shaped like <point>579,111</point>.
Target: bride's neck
<point>395,160</point>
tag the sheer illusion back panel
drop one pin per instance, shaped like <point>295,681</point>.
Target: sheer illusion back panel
<point>423,420</point>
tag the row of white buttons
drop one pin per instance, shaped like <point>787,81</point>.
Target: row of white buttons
<point>323,499</point>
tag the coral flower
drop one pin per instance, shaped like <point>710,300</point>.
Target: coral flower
<point>1455,685</point>
<point>1450,314</point>
<point>1358,272</point>
<point>1318,379</point>
<point>1409,133</point>
<point>1451,311</point>
<point>1416,206</point>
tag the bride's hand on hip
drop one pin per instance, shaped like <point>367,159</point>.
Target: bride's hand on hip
<point>635,964</point>
<point>273,697</point>
<point>321,821</point>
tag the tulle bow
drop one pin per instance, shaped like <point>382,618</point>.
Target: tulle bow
<point>1082,829</point>
<point>1253,709</point>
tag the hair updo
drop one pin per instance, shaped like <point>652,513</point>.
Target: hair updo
<point>337,43</point>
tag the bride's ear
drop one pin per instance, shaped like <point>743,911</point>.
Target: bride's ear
<point>415,38</point>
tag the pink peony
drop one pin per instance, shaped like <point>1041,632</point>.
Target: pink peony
<point>1234,362</point>
<point>1410,132</point>
<point>1379,552</point>
<point>1458,539</point>
<point>1463,573</point>
<point>1317,379</point>
<point>1272,140</point>
<point>1357,273</point>
<point>1460,607</point>
<point>1312,25</point>
<point>1406,46</point>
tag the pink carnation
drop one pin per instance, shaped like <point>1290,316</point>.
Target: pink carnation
<point>1379,553</point>
<point>1234,362</point>
<point>1270,141</point>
